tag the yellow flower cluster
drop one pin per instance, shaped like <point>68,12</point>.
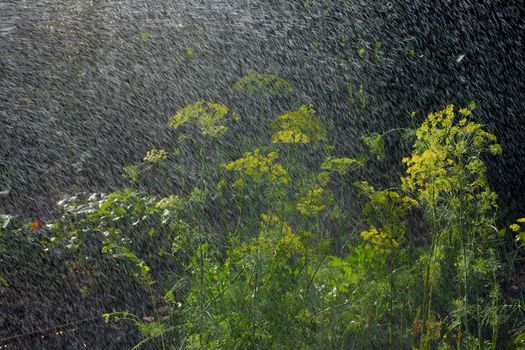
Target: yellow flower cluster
<point>315,201</point>
<point>388,210</point>
<point>274,221</point>
<point>514,227</point>
<point>519,228</point>
<point>169,202</point>
<point>426,172</point>
<point>209,116</point>
<point>155,156</point>
<point>260,168</point>
<point>340,165</point>
<point>170,206</point>
<point>254,83</point>
<point>391,202</point>
<point>380,241</point>
<point>443,150</point>
<point>385,201</point>
<point>286,240</point>
<point>300,126</point>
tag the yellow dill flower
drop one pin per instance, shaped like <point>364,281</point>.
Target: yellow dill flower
<point>289,136</point>
<point>291,244</point>
<point>465,112</point>
<point>155,156</point>
<point>260,83</point>
<point>299,126</point>
<point>340,165</point>
<point>208,115</point>
<point>239,183</point>
<point>514,227</point>
<point>440,151</point>
<point>315,201</point>
<point>445,171</point>
<point>380,241</point>
<point>236,117</point>
<point>169,202</point>
<point>258,167</point>
<point>495,149</point>
<point>282,234</point>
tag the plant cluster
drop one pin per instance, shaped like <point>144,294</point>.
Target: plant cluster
<point>267,251</point>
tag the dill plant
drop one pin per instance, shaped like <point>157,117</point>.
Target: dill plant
<point>274,249</point>
<point>447,176</point>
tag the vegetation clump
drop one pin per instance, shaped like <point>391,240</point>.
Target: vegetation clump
<point>279,249</point>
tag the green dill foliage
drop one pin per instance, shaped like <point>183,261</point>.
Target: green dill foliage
<point>151,331</point>
<point>140,270</point>
<point>357,95</point>
<point>262,296</point>
<point>209,116</point>
<point>299,126</point>
<point>153,157</point>
<point>375,144</point>
<point>262,83</point>
<point>131,173</point>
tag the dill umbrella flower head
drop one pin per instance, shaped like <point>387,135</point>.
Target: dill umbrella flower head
<point>381,241</point>
<point>262,83</point>
<point>341,165</point>
<point>444,149</point>
<point>259,168</point>
<point>514,227</point>
<point>519,229</point>
<point>209,116</point>
<point>314,201</point>
<point>169,202</point>
<point>280,236</point>
<point>155,155</point>
<point>299,126</point>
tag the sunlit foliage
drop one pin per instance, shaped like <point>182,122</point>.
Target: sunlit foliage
<point>280,249</point>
